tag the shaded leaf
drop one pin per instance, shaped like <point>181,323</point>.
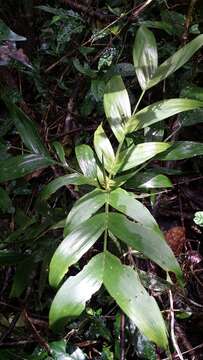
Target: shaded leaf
<point>84,208</point>
<point>117,106</point>
<point>10,257</point>
<point>149,180</point>
<point>22,278</point>
<point>86,159</point>
<point>21,165</point>
<point>7,34</point>
<point>182,150</point>
<point>177,60</point>
<point>74,246</point>
<point>161,110</point>
<point>145,56</point>
<point>5,202</point>
<point>104,149</point>
<point>27,130</point>
<point>71,298</point>
<point>123,284</point>
<point>146,241</point>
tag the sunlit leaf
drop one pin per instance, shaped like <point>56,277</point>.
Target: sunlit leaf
<point>71,298</point>
<point>145,56</point>
<point>123,284</point>
<point>149,180</point>
<point>21,165</point>
<point>183,150</point>
<point>74,179</point>
<point>146,241</point>
<point>84,208</point>
<point>126,203</point>
<point>161,110</point>
<point>104,149</point>
<point>138,154</point>
<point>86,159</point>
<point>74,246</point>
<point>177,60</point>
<point>117,106</point>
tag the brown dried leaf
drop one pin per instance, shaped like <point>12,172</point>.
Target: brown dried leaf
<point>175,237</point>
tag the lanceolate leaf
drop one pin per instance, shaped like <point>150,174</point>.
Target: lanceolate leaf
<point>149,180</point>
<point>104,149</point>
<point>27,130</point>
<point>71,298</point>
<point>117,106</point>
<point>21,165</point>
<point>74,179</point>
<point>177,60</point>
<point>86,159</point>
<point>183,150</point>
<point>125,202</point>
<point>138,154</point>
<point>145,240</point>
<point>145,56</point>
<point>161,110</point>
<point>74,246</point>
<point>124,285</point>
<point>84,208</point>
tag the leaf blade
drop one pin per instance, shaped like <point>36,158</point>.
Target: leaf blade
<point>145,56</point>
<point>74,246</point>
<point>104,149</point>
<point>124,285</point>
<point>86,159</point>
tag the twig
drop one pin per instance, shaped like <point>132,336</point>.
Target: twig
<point>188,20</point>
<point>173,337</point>
<point>86,9</point>
<point>10,329</point>
<point>36,334</point>
<point>188,351</point>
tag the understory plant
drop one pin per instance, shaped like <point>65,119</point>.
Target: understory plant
<point>110,212</point>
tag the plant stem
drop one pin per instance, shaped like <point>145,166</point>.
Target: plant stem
<point>138,102</point>
<point>106,222</point>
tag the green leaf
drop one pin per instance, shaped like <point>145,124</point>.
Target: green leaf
<point>53,186</point>
<point>125,202</point>
<point>6,34</point>
<point>183,150</point>
<point>22,278</point>
<point>123,284</point>
<point>104,149</point>
<point>5,202</point>
<point>151,243</point>
<point>175,61</point>
<point>145,56</point>
<point>60,152</point>
<point>198,218</point>
<point>10,257</point>
<point>149,180</point>
<point>117,106</point>
<point>86,159</point>
<point>161,110</point>
<point>84,208</point>
<point>138,154</point>
<point>74,246</point>
<point>71,298</point>
<point>27,130</point>
<point>21,165</point>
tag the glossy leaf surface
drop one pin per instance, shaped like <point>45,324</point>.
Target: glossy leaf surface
<point>71,298</point>
<point>86,159</point>
<point>104,149</point>
<point>21,165</point>
<point>74,179</point>
<point>138,154</point>
<point>125,202</point>
<point>146,241</point>
<point>145,56</point>
<point>149,180</point>
<point>84,208</point>
<point>117,106</point>
<point>176,61</point>
<point>74,246</point>
<point>183,150</point>
<point>161,110</point>
<point>123,284</point>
